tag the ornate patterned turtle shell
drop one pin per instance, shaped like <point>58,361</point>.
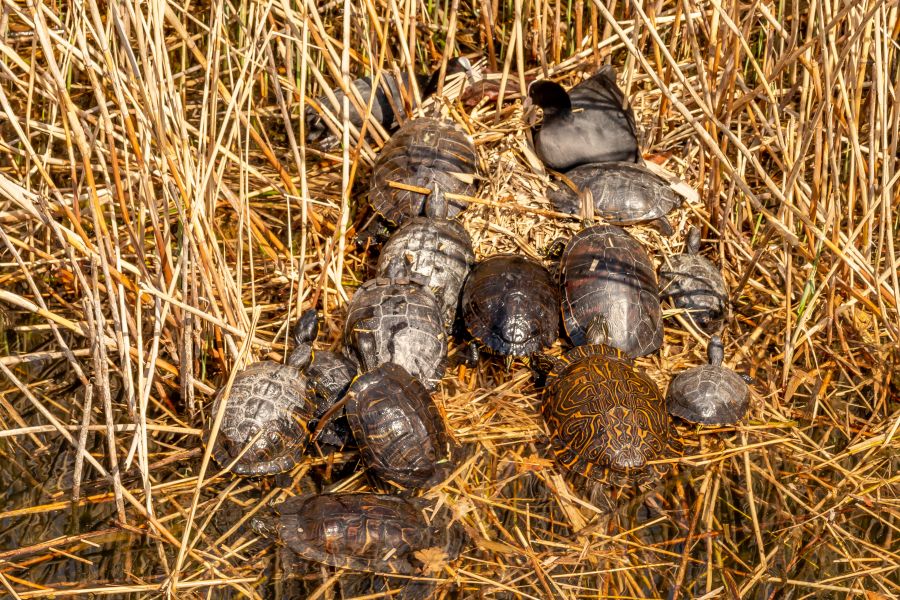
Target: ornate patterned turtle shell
<point>397,321</point>
<point>695,285</point>
<point>437,251</point>
<point>266,416</point>
<point>399,430</point>
<point>622,193</point>
<point>427,153</point>
<point>511,305</point>
<point>710,394</point>
<point>366,532</point>
<point>610,293</point>
<point>605,417</point>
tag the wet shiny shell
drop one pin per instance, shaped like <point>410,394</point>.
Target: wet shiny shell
<point>438,251</point>
<point>709,394</point>
<point>368,532</point>
<point>606,273</point>
<point>399,430</point>
<point>697,286</point>
<point>330,374</point>
<point>511,305</point>
<point>425,153</point>
<point>623,193</point>
<point>604,415</point>
<point>397,321</point>
<point>270,398</point>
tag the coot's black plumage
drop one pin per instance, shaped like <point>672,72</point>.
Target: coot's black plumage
<point>590,123</point>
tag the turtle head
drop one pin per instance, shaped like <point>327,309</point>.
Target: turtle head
<point>715,351</point>
<point>598,331</point>
<point>693,241</point>
<point>307,328</point>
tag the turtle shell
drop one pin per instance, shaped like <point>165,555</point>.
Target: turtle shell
<point>623,193</point>
<point>397,321</point>
<point>330,374</point>
<point>437,251</point>
<point>424,153</point>
<point>604,416</point>
<point>366,532</point>
<point>710,394</point>
<point>267,413</point>
<point>606,275</point>
<point>511,305</point>
<point>399,430</point>
<point>695,285</point>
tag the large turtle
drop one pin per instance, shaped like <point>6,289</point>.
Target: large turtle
<point>511,305</point>
<point>398,321</point>
<point>264,423</point>
<point>710,394</point>
<point>623,193</point>
<point>364,532</point>
<point>695,285</point>
<point>607,420</point>
<point>438,251</point>
<point>609,284</point>
<point>426,159</point>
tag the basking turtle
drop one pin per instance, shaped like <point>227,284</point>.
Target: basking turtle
<point>607,420</point>
<point>438,251</point>
<point>511,305</point>
<point>425,154</point>
<point>710,394</point>
<point>398,321</point>
<point>364,532</point>
<point>266,414</point>
<point>622,193</point>
<point>399,430</point>
<point>695,285</point>
<point>609,286</point>
<point>590,123</point>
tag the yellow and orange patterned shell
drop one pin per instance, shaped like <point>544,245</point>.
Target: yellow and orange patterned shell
<point>604,416</point>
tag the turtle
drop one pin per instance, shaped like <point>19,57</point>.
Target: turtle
<point>439,251</point>
<point>710,394</point>
<point>510,304</point>
<point>364,532</point>
<point>399,431</point>
<point>610,293</point>
<point>590,123</point>
<point>622,193</point>
<point>264,425</point>
<point>606,419</point>
<point>695,285</point>
<point>427,158</point>
<point>388,106</point>
<point>398,321</point>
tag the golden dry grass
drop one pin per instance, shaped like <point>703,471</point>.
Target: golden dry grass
<point>161,221</point>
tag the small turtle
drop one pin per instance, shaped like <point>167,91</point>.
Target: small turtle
<point>425,154</point>
<point>399,430</point>
<point>364,532</point>
<point>511,305</point>
<point>439,251</point>
<point>622,193</point>
<point>710,394</point>
<point>267,412</point>
<point>398,321</point>
<point>610,293</point>
<point>607,420</point>
<point>696,285</point>
<point>590,123</point>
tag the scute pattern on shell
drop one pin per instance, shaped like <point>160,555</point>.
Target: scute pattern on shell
<point>623,193</point>
<point>427,153</point>
<point>697,286</point>
<point>708,394</point>
<point>399,430</point>
<point>397,321</point>
<point>606,273</point>
<point>439,251</point>
<point>604,416</point>
<point>366,532</point>
<point>511,305</point>
<point>265,397</point>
